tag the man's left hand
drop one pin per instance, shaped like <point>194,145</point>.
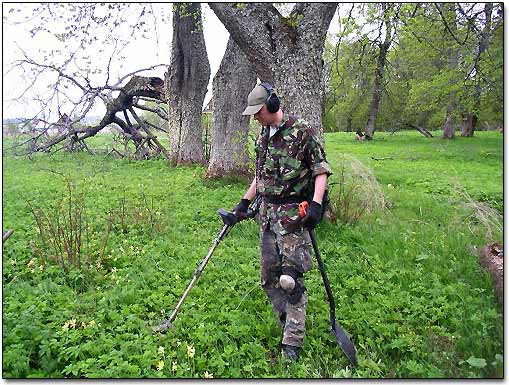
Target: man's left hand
<point>313,215</point>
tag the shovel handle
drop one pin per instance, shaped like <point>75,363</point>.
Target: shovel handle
<point>346,345</point>
<point>325,279</point>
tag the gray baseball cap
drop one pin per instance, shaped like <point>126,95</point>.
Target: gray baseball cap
<point>255,100</point>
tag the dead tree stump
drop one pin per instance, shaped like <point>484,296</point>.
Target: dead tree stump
<point>492,259</point>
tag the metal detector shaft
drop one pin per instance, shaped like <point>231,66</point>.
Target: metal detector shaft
<point>166,324</point>
<point>341,337</point>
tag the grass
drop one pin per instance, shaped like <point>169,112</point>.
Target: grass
<point>408,287</point>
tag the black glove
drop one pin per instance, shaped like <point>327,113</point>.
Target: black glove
<point>313,215</point>
<point>240,210</point>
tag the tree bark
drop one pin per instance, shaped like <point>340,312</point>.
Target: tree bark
<point>469,122</point>
<point>187,80</point>
<point>471,118</point>
<point>229,154</point>
<point>379,74</point>
<point>285,51</point>
<point>449,123</point>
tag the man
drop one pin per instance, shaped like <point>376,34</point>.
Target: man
<point>290,168</point>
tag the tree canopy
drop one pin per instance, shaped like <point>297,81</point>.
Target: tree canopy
<point>419,78</point>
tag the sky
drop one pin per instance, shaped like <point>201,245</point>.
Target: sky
<point>141,53</point>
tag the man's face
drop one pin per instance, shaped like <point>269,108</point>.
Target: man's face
<point>264,117</point>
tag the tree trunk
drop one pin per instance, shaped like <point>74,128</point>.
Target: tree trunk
<point>450,119</point>
<point>285,51</point>
<point>349,123</point>
<point>187,81</point>
<point>379,75</point>
<point>229,154</point>
<point>470,123</point>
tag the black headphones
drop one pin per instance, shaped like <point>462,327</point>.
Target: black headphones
<point>272,101</point>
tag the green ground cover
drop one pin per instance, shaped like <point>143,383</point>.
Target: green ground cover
<point>408,286</point>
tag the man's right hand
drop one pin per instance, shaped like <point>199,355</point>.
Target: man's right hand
<point>240,210</point>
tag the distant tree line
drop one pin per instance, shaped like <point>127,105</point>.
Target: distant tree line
<point>432,65</point>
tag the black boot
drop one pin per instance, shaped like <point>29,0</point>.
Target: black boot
<point>290,352</point>
<point>282,320</point>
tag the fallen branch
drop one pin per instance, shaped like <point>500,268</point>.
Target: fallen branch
<point>145,142</point>
<point>387,158</point>
<point>7,234</point>
<point>422,130</point>
<point>114,150</point>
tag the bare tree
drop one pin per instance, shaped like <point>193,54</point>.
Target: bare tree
<point>285,51</point>
<point>234,79</point>
<point>448,14</point>
<point>74,83</point>
<point>383,48</point>
<point>117,98</point>
<point>483,38</point>
<point>187,80</point>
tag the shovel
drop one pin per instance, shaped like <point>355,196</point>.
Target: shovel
<point>346,345</point>
<point>341,337</point>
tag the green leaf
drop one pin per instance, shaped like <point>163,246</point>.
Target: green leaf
<point>475,362</point>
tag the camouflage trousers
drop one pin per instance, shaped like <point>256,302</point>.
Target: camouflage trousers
<point>276,252</point>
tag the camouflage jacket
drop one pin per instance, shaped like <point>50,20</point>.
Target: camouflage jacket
<point>294,156</point>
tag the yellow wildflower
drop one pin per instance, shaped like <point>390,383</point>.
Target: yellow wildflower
<point>65,327</point>
<point>209,375</point>
<point>160,365</point>
<point>174,366</point>
<point>72,323</point>
<point>190,351</point>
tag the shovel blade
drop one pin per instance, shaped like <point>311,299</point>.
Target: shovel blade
<point>346,345</point>
<point>163,327</point>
